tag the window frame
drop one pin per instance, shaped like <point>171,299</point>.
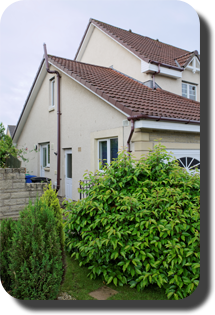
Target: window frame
<point>188,89</point>
<point>47,147</point>
<point>108,150</point>
<point>52,92</point>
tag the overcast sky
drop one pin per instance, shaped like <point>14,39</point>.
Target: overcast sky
<point>26,25</point>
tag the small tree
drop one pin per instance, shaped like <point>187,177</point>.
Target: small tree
<point>6,147</point>
<point>35,257</point>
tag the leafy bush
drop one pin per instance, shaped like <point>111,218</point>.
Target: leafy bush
<point>51,200</point>
<point>35,256</point>
<point>140,224</point>
<point>7,229</point>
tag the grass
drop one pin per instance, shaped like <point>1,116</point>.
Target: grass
<point>78,285</point>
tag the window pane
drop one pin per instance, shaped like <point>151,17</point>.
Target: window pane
<point>184,89</point>
<point>52,92</point>
<point>44,157</point>
<point>102,153</point>
<point>113,149</point>
<point>48,153</point>
<point>192,92</point>
<point>69,165</point>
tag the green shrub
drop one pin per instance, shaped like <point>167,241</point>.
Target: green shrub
<point>35,259</point>
<point>140,224</point>
<point>7,229</point>
<point>51,200</point>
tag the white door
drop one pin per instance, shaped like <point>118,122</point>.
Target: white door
<point>189,159</point>
<point>44,158</point>
<point>68,174</point>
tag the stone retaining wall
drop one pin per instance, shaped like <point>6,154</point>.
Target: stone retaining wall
<point>15,193</point>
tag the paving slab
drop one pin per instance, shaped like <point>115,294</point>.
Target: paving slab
<point>103,293</point>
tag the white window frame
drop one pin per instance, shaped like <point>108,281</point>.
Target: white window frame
<point>180,153</point>
<point>52,91</point>
<point>188,89</point>
<point>108,150</point>
<point>47,146</point>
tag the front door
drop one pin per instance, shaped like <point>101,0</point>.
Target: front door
<point>44,158</point>
<point>68,174</point>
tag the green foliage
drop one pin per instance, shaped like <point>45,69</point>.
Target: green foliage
<point>50,198</point>
<point>7,229</point>
<point>139,225</point>
<point>6,147</point>
<point>35,256</point>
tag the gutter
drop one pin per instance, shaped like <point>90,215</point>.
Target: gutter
<point>165,65</point>
<point>138,117</point>
<point>58,116</point>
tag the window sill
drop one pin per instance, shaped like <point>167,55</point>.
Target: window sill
<point>47,169</point>
<point>51,108</point>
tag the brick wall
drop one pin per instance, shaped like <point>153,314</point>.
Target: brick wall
<point>15,193</point>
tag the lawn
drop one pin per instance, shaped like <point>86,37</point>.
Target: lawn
<point>78,285</point>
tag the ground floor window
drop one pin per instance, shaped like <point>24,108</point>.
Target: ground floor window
<point>44,159</point>
<point>107,151</point>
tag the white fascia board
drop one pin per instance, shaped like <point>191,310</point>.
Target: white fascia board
<point>117,42</point>
<point>85,42</point>
<point>162,125</point>
<point>119,110</point>
<point>30,102</point>
<point>193,68</point>
<point>151,68</point>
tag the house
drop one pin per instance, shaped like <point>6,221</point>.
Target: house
<point>10,130</point>
<point>175,70</point>
<point>78,115</point>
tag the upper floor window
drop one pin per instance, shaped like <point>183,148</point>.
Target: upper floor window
<point>189,91</point>
<point>107,151</point>
<point>52,90</point>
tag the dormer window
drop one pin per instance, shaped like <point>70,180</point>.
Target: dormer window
<point>189,91</point>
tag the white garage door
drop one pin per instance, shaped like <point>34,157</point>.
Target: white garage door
<point>189,159</point>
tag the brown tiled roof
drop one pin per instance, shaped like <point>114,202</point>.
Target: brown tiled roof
<point>143,47</point>
<point>127,94</point>
<point>186,58</point>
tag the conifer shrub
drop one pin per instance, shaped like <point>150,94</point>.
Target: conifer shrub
<point>35,256</point>
<point>7,229</point>
<point>139,225</point>
<point>50,198</point>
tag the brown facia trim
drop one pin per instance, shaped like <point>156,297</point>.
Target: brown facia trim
<point>185,121</point>
<point>166,65</point>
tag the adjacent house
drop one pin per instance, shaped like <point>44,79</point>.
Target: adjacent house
<point>78,115</point>
<point>10,130</point>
